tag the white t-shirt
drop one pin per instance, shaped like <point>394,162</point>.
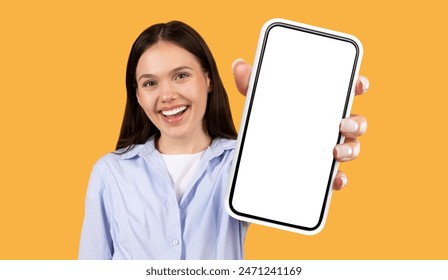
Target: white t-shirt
<point>182,168</point>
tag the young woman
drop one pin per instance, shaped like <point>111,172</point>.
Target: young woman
<point>161,194</point>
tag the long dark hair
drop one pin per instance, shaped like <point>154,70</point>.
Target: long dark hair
<point>136,127</point>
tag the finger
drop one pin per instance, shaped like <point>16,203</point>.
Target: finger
<point>362,85</point>
<point>339,181</point>
<point>241,72</point>
<point>354,126</point>
<point>347,151</point>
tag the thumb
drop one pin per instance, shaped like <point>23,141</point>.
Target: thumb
<point>241,73</point>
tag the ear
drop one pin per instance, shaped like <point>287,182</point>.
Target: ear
<point>209,83</point>
<point>137,95</point>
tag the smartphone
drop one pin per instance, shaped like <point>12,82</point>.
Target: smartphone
<point>302,84</point>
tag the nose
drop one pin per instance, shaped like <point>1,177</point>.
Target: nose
<point>168,93</point>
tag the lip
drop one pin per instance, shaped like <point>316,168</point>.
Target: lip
<point>176,118</point>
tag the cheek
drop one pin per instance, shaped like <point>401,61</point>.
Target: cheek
<point>200,94</point>
<point>147,103</point>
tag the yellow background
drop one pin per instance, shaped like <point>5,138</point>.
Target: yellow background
<point>62,95</point>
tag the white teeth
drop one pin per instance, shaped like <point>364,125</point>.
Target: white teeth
<point>174,111</point>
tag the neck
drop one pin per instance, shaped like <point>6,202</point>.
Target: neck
<point>190,145</point>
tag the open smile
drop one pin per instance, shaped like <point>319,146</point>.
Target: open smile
<point>174,112</point>
<point>174,115</point>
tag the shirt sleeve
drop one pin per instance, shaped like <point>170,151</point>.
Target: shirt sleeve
<point>96,241</point>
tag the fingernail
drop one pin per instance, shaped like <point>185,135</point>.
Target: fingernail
<point>340,182</point>
<point>365,83</point>
<point>235,63</point>
<point>349,125</point>
<point>343,151</point>
<point>344,180</point>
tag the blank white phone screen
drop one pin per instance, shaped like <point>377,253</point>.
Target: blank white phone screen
<point>300,93</point>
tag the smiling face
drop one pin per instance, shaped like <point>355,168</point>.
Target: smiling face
<point>172,89</point>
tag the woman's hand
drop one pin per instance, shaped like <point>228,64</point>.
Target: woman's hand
<point>351,127</point>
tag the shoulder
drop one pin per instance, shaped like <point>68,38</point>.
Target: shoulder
<point>222,147</point>
<point>122,156</point>
<point>221,151</point>
<point>222,144</point>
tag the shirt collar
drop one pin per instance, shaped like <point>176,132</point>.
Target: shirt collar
<point>218,146</point>
<point>140,149</point>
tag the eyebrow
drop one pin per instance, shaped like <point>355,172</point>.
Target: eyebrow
<point>172,71</point>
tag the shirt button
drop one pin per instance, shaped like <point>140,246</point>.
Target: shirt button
<point>175,242</point>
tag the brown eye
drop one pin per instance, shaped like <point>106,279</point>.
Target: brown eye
<point>181,76</point>
<point>149,84</point>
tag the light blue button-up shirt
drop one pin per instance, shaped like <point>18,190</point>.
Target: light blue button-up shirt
<point>131,210</point>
